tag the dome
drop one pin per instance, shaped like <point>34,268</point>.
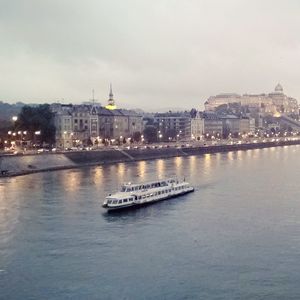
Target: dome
<point>278,88</point>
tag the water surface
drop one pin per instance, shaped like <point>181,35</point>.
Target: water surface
<point>236,237</point>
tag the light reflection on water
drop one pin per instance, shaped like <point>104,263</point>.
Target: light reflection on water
<point>236,237</point>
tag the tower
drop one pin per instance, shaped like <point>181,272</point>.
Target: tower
<point>111,102</point>
<point>111,97</point>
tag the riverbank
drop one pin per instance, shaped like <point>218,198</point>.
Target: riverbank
<point>16,165</point>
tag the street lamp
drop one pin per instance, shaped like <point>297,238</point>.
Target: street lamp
<point>36,133</point>
<point>14,118</point>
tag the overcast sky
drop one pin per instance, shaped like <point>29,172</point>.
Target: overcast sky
<point>156,53</point>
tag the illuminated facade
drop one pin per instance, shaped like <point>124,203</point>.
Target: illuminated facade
<point>272,103</point>
<point>84,124</point>
<point>197,127</point>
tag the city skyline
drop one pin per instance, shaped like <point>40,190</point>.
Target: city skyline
<point>157,55</point>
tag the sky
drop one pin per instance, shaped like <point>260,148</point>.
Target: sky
<point>157,54</point>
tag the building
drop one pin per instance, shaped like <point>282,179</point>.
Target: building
<point>173,125</point>
<point>197,126</point>
<point>273,103</point>
<point>237,126</point>
<point>86,124</point>
<point>213,125</point>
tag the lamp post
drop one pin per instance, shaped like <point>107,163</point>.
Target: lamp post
<point>36,134</point>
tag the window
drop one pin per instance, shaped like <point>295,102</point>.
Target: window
<point>109,201</point>
<point>115,201</point>
<point>125,200</point>
<point>120,201</point>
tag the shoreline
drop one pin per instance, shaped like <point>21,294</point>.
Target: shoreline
<point>20,165</point>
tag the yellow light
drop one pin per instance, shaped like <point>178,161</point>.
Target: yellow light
<point>110,107</point>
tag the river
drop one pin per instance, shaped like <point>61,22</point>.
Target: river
<point>236,237</point>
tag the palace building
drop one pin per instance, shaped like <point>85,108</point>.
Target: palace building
<point>273,103</point>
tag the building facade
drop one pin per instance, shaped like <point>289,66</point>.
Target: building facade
<point>86,124</point>
<point>273,103</point>
<point>197,127</point>
<point>213,125</point>
<point>173,125</point>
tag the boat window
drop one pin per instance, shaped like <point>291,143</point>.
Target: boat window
<point>109,201</point>
<point>123,189</point>
<point>125,200</point>
<point>144,196</point>
<point>115,201</point>
<point>120,201</point>
<point>159,192</point>
<point>148,196</point>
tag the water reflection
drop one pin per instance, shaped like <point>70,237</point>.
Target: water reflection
<point>160,166</point>
<point>142,169</point>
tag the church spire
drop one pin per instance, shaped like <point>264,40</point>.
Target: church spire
<point>111,95</point>
<point>111,102</point>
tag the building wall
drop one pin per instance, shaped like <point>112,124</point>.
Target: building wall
<point>197,128</point>
<point>272,103</point>
<point>178,123</point>
<point>213,126</point>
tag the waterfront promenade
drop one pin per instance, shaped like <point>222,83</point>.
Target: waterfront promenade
<point>21,164</point>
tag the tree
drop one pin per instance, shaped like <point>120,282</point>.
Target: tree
<point>193,113</point>
<point>136,136</point>
<point>150,134</point>
<point>37,118</point>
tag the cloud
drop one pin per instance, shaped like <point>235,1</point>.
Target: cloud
<point>156,53</point>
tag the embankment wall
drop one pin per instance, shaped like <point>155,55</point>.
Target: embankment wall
<point>25,164</point>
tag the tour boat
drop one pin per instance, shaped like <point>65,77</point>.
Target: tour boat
<point>140,194</point>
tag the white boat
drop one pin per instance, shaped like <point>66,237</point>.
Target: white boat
<point>140,194</point>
